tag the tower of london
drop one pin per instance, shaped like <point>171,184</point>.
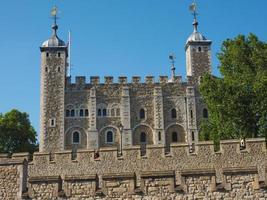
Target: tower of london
<point>120,112</point>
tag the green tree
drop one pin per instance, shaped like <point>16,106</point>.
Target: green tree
<point>16,133</point>
<point>237,101</point>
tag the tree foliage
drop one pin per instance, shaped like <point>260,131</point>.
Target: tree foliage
<point>16,133</point>
<point>237,101</point>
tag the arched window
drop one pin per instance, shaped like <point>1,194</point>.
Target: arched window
<point>67,113</point>
<point>86,113</point>
<point>112,112</point>
<point>159,136</point>
<point>174,113</point>
<point>109,137</point>
<point>193,136</point>
<point>76,138</point>
<point>174,137</point>
<point>205,113</point>
<point>81,112</point>
<point>143,137</point>
<point>142,114</point>
<point>99,112</point>
<point>104,112</point>
<point>72,113</point>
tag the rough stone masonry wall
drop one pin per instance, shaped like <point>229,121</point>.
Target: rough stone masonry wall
<point>228,174</point>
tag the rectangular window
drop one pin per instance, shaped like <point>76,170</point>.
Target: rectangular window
<point>52,122</point>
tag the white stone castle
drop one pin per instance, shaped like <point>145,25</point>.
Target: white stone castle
<point>93,115</point>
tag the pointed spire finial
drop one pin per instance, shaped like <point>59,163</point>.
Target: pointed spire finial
<point>54,13</point>
<point>193,9</point>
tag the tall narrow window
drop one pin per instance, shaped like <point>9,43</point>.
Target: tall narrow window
<point>58,69</point>
<point>86,113</point>
<point>99,112</point>
<point>117,112</point>
<point>104,112</point>
<point>47,54</point>
<point>193,136</point>
<point>112,112</point>
<point>205,113</point>
<point>174,113</point>
<point>81,112</point>
<point>76,137</point>
<point>191,114</point>
<point>159,136</point>
<point>72,113</point>
<point>199,49</point>
<point>142,114</point>
<point>174,137</point>
<point>46,69</point>
<point>58,55</point>
<point>67,113</point>
<point>52,122</point>
<point>143,137</point>
<point>109,137</point>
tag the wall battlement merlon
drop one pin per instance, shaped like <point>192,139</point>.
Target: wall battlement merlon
<point>95,80</point>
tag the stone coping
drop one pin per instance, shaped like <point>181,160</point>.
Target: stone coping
<point>89,177</point>
<point>179,145</point>
<point>125,175</point>
<point>4,155</point>
<point>12,162</point>
<point>235,170</point>
<point>36,179</point>
<point>190,172</point>
<point>148,174</point>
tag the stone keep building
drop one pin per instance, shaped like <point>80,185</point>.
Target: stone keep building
<point>92,115</point>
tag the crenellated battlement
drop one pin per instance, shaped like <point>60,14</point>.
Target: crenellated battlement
<point>95,80</point>
<point>137,171</point>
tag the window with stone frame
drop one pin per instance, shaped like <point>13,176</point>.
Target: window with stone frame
<point>72,113</point>
<point>67,113</point>
<point>109,137</point>
<point>76,137</point>
<point>174,137</point>
<point>142,113</point>
<point>99,112</point>
<point>86,112</point>
<point>104,112</point>
<point>143,138</point>
<point>174,113</point>
<point>81,113</point>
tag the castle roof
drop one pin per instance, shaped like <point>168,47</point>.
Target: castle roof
<point>54,41</point>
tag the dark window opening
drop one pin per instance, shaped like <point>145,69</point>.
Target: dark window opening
<point>58,69</point>
<point>72,113</point>
<point>159,136</point>
<point>67,113</point>
<point>142,114</point>
<point>99,113</point>
<point>199,49</point>
<point>58,55</point>
<point>46,69</point>
<point>47,54</point>
<point>109,137</point>
<point>205,113</point>
<point>143,137</point>
<point>86,113</point>
<point>174,114</point>
<point>81,113</point>
<point>76,138</point>
<point>52,122</point>
<point>191,113</point>
<point>104,112</point>
<point>174,137</point>
<point>193,136</point>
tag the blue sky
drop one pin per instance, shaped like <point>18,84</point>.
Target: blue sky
<point>112,37</point>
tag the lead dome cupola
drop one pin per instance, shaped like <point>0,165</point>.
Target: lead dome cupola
<point>54,41</point>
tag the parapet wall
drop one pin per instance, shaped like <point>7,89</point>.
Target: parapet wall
<point>230,173</point>
<point>94,80</point>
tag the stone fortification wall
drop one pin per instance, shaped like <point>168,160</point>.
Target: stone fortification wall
<point>230,173</point>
